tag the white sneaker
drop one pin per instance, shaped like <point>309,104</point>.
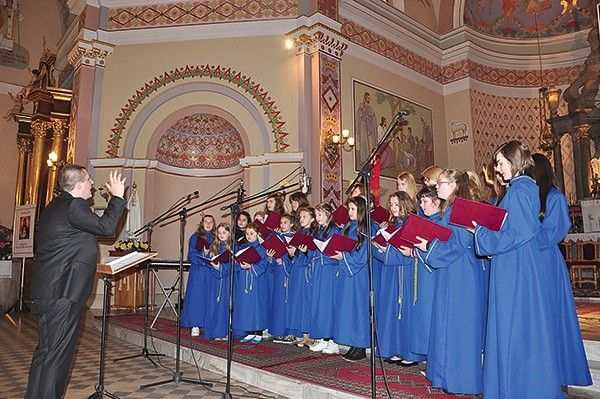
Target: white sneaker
<point>195,331</point>
<point>318,345</point>
<point>332,348</point>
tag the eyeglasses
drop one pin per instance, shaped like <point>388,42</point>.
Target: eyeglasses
<point>439,183</point>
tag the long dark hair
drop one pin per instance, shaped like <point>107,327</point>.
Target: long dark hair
<point>361,215</point>
<point>519,156</point>
<point>545,179</point>
<point>468,186</point>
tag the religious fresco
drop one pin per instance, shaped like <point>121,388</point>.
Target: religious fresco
<point>409,147</point>
<point>517,18</point>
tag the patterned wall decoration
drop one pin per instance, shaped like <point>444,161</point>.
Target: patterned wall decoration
<point>458,70</point>
<point>496,119</point>
<point>329,8</point>
<point>201,141</point>
<point>74,117</point>
<point>198,13</point>
<point>330,110</point>
<point>243,82</point>
<point>517,18</point>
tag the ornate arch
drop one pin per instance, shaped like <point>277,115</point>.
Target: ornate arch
<point>258,94</point>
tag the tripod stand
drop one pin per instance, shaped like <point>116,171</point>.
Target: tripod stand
<point>145,353</point>
<point>100,390</point>
<point>20,303</point>
<point>178,375</point>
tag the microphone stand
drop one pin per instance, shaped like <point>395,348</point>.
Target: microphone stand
<point>235,211</point>
<point>178,375</point>
<point>365,175</point>
<point>149,228</point>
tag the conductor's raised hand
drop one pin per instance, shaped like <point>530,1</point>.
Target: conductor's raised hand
<point>116,184</point>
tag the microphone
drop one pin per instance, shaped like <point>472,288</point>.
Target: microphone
<point>190,195</point>
<point>403,113</point>
<point>304,182</point>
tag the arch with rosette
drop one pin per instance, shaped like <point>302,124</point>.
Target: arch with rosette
<point>237,79</point>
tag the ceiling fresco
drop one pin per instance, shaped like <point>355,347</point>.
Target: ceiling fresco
<point>517,18</point>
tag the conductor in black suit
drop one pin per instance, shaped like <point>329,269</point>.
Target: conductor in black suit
<point>64,274</point>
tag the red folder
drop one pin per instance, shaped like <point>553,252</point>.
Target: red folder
<point>272,220</point>
<point>275,243</point>
<point>248,255</point>
<point>382,236</point>
<point>300,238</point>
<point>396,240</point>
<point>464,211</point>
<point>418,226</point>
<point>264,230</point>
<point>223,257</point>
<point>201,244</point>
<point>340,215</point>
<point>336,242</point>
<point>380,215</point>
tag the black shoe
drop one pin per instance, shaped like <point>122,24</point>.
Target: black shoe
<point>390,360</point>
<point>407,363</point>
<point>350,352</point>
<point>356,355</point>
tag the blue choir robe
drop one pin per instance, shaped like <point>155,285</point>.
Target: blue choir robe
<point>377,265</point>
<point>250,293</point>
<point>280,295</point>
<point>520,357</point>
<point>322,304</point>
<point>351,320</point>
<point>420,322</point>
<point>393,304</point>
<point>457,329</point>
<point>217,307</point>
<point>572,361</point>
<point>300,291</point>
<point>194,305</point>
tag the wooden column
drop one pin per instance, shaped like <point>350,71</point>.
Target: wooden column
<point>25,146</point>
<point>59,127</point>
<point>39,129</point>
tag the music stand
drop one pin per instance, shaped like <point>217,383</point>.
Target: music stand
<point>365,175</point>
<point>145,353</point>
<point>20,303</point>
<point>107,271</point>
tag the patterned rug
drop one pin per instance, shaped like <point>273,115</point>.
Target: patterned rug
<point>588,309</point>
<point>299,363</point>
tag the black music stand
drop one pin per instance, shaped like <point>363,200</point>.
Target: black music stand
<point>365,175</point>
<point>20,303</point>
<point>107,272</point>
<point>145,353</point>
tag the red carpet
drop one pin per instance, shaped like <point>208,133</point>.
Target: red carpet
<point>299,363</point>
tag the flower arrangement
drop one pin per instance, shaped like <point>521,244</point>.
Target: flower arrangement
<point>131,245</point>
<point>5,250</point>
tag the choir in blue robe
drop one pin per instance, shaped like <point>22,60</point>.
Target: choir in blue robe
<point>393,304</point>
<point>251,294</point>
<point>457,320</point>
<point>520,355</point>
<point>300,291</point>
<point>194,305</point>
<point>322,304</point>
<point>351,319</point>
<point>217,306</point>
<point>572,362</point>
<point>280,295</point>
<point>420,323</point>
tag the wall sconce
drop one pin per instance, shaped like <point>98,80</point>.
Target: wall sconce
<point>553,96</point>
<point>342,140</point>
<point>53,161</point>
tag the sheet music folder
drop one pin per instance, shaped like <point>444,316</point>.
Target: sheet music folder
<point>117,265</point>
<point>464,211</point>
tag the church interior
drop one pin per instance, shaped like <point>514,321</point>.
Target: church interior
<point>192,100</point>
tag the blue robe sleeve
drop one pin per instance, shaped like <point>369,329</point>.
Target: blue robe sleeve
<point>393,257</point>
<point>355,260</point>
<point>521,224</point>
<point>441,254</point>
<point>554,229</point>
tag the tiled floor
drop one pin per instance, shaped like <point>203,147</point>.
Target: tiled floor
<point>18,337</point>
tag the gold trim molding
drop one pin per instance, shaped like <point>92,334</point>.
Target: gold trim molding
<point>318,37</point>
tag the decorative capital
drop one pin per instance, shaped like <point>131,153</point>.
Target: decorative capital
<point>40,128</point>
<point>90,53</point>
<point>24,145</point>
<point>318,37</point>
<point>59,126</point>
